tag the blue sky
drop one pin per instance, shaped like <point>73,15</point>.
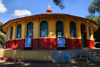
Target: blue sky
<point>12,9</point>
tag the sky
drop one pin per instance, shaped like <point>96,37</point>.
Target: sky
<point>12,9</point>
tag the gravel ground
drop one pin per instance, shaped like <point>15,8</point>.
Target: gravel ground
<point>73,64</point>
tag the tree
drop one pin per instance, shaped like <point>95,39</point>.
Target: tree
<point>60,3</point>
<point>94,7</point>
<point>97,20</point>
<point>1,23</point>
<point>2,36</point>
<point>94,18</point>
<point>91,16</point>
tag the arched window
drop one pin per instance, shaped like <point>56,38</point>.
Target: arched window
<point>89,32</point>
<point>11,32</point>
<point>44,29</point>
<point>72,29</point>
<point>18,35</point>
<point>59,29</point>
<point>30,29</point>
<point>83,27</point>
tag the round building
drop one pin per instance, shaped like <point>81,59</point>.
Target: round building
<point>50,31</point>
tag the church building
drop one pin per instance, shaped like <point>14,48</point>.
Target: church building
<point>50,31</point>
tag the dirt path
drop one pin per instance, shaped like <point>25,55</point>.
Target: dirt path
<point>74,64</point>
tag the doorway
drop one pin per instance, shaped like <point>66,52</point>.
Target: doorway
<point>82,39</point>
<point>83,35</point>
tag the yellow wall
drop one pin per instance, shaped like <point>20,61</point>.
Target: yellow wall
<point>78,27</point>
<point>51,28</point>
<point>21,54</point>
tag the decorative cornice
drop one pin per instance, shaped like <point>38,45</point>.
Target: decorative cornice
<point>48,16</point>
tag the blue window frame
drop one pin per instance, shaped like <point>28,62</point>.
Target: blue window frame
<point>83,27</point>
<point>44,29</point>
<point>59,28</point>
<point>89,32</point>
<point>11,32</point>
<point>29,29</point>
<point>72,29</point>
<point>18,35</point>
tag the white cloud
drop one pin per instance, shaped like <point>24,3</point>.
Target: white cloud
<point>21,13</point>
<point>2,7</point>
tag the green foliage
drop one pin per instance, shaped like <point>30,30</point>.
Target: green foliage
<point>1,23</point>
<point>2,38</point>
<point>59,3</point>
<point>94,18</point>
<point>91,16</point>
<point>94,7</point>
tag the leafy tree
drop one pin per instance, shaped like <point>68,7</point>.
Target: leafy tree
<point>94,18</point>
<point>2,36</point>
<point>91,16</point>
<point>60,4</point>
<point>97,20</point>
<point>94,7</point>
<point>1,23</point>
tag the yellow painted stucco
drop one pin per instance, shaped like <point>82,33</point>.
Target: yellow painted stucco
<point>51,28</point>
<point>22,54</point>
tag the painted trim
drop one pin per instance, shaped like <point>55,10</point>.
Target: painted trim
<point>27,28</point>
<point>48,43</point>
<point>53,15</point>
<point>74,29</point>
<point>47,28</point>
<point>11,31</point>
<point>17,31</point>
<point>89,32</point>
<point>84,26</point>
<point>63,27</point>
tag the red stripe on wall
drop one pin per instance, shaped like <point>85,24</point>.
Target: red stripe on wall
<point>35,44</point>
<point>48,44</point>
<point>44,44</point>
<point>19,44</point>
<point>53,43</point>
<point>73,43</point>
<point>10,44</point>
<point>90,43</point>
<point>15,44</point>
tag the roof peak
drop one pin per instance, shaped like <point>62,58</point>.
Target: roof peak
<point>49,10</point>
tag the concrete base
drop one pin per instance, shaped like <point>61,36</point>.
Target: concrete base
<point>48,56</point>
